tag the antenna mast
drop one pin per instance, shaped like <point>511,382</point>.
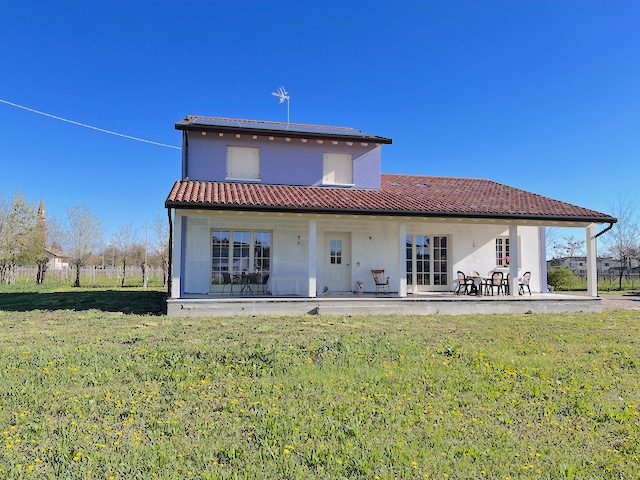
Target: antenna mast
<point>282,95</point>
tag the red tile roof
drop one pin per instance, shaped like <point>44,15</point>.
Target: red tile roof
<point>408,195</point>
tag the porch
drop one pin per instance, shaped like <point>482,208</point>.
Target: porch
<point>427,303</point>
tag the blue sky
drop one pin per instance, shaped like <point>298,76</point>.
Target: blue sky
<point>539,95</point>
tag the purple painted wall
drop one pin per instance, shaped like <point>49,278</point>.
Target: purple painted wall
<point>281,162</point>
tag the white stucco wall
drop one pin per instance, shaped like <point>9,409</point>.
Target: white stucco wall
<point>375,244</point>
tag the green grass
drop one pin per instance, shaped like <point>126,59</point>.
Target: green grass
<point>101,394</point>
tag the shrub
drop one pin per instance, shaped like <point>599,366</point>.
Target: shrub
<point>563,279</point>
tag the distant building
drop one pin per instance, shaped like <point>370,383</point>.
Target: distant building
<point>604,265</point>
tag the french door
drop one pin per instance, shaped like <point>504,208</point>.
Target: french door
<point>427,260</point>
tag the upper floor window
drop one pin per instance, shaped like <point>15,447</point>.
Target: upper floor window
<point>243,163</point>
<point>337,169</point>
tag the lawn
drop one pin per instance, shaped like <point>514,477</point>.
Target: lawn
<point>98,393</point>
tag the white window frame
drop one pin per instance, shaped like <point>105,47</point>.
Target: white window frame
<point>337,169</point>
<point>502,245</point>
<point>243,163</point>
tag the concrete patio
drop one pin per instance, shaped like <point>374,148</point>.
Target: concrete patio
<point>381,304</point>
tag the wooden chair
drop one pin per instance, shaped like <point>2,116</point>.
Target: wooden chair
<point>524,282</point>
<point>496,281</point>
<point>381,281</point>
<point>227,280</point>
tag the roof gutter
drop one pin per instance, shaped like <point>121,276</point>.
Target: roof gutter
<point>397,213</point>
<point>281,133</point>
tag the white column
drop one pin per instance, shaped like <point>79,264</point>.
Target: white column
<point>542,238</point>
<point>513,260</point>
<point>176,264</point>
<point>592,267</point>
<point>402,281</point>
<point>313,240</point>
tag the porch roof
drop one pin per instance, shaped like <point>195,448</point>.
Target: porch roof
<point>401,195</point>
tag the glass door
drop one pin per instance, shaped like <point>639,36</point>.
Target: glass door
<point>427,263</point>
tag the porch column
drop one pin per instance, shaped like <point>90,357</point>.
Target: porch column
<point>543,259</point>
<point>176,266</point>
<point>513,260</point>
<point>402,281</point>
<point>313,240</point>
<point>592,270</point>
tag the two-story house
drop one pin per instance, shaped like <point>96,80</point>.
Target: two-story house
<point>307,209</point>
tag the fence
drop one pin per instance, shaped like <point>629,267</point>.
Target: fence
<point>93,276</point>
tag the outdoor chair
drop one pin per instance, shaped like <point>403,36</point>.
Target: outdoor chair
<point>475,283</point>
<point>507,285</point>
<point>227,280</point>
<point>381,281</point>
<point>464,283</point>
<point>524,282</point>
<point>496,282</point>
<point>263,285</point>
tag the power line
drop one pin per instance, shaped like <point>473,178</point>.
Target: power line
<point>88,126</point>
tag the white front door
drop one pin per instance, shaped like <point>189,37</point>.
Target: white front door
<point>337,251</point>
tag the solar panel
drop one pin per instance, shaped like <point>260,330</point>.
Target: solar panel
<point>283,127</point>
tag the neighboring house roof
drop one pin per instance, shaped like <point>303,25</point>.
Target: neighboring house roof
<point>275,129</point>
<point>406,195</point>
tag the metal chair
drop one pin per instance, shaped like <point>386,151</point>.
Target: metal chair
<point>496,281</point>
<point>463,284</point>
<point>524,282</point>
<point>227,280</point>
<point>381,281</point>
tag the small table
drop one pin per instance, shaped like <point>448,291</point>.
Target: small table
<point>243,279</point>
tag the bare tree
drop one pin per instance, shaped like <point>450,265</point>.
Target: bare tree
<point>552,237</point>
<point>83,235</point>
<point>623,240</point>
<point>569,247</point>
<point>123,241</point>
<point>160,244</point>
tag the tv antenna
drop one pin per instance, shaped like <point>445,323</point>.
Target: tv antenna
<point>282,95</point>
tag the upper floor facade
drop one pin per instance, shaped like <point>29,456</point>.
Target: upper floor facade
<point>251,151</point>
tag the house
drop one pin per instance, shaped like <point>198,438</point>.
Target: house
<point>307,208</point>
<point>605,266</point>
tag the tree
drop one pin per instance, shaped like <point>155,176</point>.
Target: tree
<point>123,241</point>
<point>19,239</point>
<point>570,248</point>
<point>623,238</point>
<point>83,235</point>
<point>160,245</point>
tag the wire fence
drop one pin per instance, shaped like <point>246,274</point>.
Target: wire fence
<point>95,276</point>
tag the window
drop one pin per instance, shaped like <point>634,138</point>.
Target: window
<point>337,169</point>
<point>502,251</point>
<point>243,163</point>
<point>239,251</point>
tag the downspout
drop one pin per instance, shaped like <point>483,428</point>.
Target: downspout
<point>606,229</point>
<point>169,271</point>
<point>185,155</point>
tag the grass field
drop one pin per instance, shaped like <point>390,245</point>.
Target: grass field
<point>97,393</point>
